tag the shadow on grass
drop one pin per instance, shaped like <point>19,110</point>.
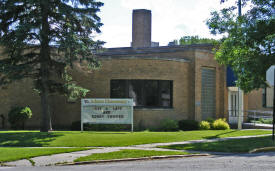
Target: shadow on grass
<point>91,132</point>
<point>218,135</point>
<point>27,139</point>
<point>229,146</point>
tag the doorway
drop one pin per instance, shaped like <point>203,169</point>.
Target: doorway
<point>235,104</point>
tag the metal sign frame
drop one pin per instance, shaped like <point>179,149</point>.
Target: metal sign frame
<point>107,103</point>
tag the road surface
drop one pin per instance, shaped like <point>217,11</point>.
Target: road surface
<point>262,161</point>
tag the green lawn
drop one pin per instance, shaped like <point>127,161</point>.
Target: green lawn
<point>14,153</point>
<point>95,139</point>
<point>238,145</point>
<point>128,154</point>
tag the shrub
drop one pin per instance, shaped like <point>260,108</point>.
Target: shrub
<point>204,125</point>
<point>220,124</point>
<point>106,127</point>
<point>139,126</point>
<point>76,126</point>
<point>188,125</point>
<point>18,115</point>
<point>210,120</point>
<point>266,121</point>
<point>169,125</point>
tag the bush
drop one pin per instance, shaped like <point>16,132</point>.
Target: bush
<point>266,121</point>
<point>210,120</point>
<point>106,127</point>
<point>220,124</point>
<point>76,126</point>
<point>204,125</point>
<point>188,125</point>
<point>139,126</point>
<point>169,125</point>
<point>18,115</point>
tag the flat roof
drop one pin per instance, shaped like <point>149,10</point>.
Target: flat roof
<point>149,50</point>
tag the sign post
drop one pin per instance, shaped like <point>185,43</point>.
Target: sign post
<point>107,111</point>
<point>270,78</point>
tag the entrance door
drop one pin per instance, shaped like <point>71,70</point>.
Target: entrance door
<point>233,106</point>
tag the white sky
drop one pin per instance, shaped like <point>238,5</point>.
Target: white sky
<point>171,19</point>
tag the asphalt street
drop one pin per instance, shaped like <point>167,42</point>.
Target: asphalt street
<point>260,161</point>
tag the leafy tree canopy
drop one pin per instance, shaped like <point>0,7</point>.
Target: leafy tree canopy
<point>249,43</point>
<point>188,40</point>
<point>42,39</point>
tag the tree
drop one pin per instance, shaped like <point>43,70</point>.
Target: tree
<point>249,43</point>
<point>188,40</point>
<point>42,39</point>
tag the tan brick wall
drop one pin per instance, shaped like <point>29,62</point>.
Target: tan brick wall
<point>146,69</point>
<point>98,82</point>
<point>186,76</point>
<point>20,93</point>
<point>206,59</point>
<point>255,100</point>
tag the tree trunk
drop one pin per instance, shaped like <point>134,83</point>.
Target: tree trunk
<point>44,68</point>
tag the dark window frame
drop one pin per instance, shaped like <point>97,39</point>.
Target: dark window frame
<point>127,83</point>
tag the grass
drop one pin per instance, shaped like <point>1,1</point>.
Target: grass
<point>14,153</point>
<point>237,145</point>
<point>128,154</point>
<point>104,139</point>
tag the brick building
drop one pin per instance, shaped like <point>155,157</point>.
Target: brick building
<point>167,82</point>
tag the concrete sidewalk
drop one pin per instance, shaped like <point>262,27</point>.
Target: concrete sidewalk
<point>70,157</point>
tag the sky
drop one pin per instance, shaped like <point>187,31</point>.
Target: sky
<point>171,19</point>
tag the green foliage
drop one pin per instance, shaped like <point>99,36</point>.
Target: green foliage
<point>106,127</point>
<point>128,154</point>
<point>18,115</point>
<point>140,126</point>
<point>260,121</point>
<point>236,145</point>
<point>266,121</point>
<point>220,124</point>
<point>249,45</point>
<point>204,125</point>
<point>111,139</point>
<point>210,120</point>
<point>76,126</point>
<point>12,154</point>
<point>72,90</point>
<point>42,39</point>
<point>69,28</point>
<point>188,40</point>
<point>169,125</point>
<point>188,125</point>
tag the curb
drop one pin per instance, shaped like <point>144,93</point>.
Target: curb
<point>132,159</point>
<point>264,149</point>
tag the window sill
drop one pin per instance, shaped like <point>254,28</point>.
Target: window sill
<point>144,108</point>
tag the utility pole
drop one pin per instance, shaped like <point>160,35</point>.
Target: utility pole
<point>273,104</point>
<point>240,97</point>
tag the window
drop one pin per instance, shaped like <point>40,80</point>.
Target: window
<point>145,93</point>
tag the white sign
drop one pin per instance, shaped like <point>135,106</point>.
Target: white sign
<point>270,75</point>
<point>107,111</point>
